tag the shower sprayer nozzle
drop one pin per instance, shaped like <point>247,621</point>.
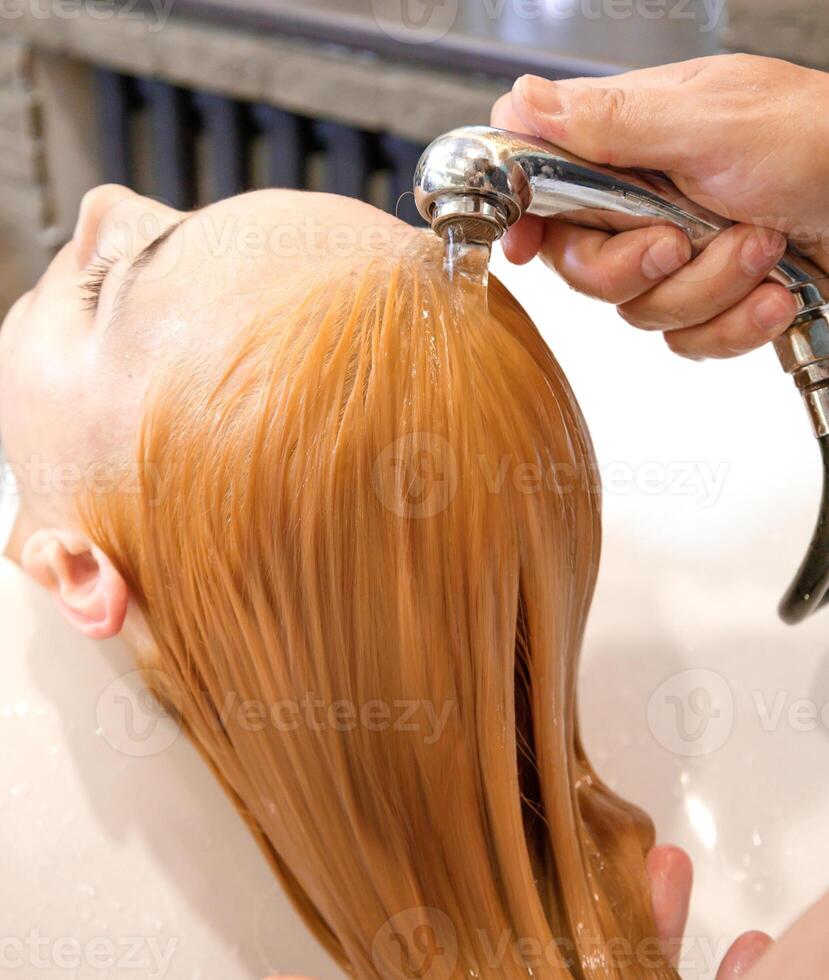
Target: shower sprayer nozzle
<point>474,183</point>
<point>468,179</point>
<point>470,216</point>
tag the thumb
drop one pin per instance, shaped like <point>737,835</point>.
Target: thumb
<point>742,956</point>
<point>623,124</point>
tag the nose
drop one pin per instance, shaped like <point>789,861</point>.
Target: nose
<point>95,205</point>
<point>114,219</point>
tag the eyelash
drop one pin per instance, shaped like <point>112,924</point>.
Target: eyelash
<point>93,280</point>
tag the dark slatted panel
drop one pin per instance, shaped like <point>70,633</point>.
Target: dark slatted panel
<point>200,148</point>
<point>402,156</point>
<point>172,134</point>
<point>287,146</point>
<point>350,157</point>
<point>225,130</point>
<point>115,105</point>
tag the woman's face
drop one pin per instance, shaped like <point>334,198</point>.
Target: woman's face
<point>138,284</point>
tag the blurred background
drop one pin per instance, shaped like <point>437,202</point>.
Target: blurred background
<point>193,100</point>
<point>697,702</point>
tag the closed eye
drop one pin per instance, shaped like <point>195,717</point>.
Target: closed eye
<point>95,274</point>
<point>93,278</point>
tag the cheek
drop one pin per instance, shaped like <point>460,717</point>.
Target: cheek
<point>12,412</point>
<point>41,389</point>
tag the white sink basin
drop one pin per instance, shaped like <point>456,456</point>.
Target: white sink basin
<point>125,844</point>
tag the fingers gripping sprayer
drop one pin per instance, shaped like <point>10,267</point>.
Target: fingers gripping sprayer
<point>474,183</point>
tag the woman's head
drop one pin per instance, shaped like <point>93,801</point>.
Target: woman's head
<point>138,286</point>
<point>363,538</point>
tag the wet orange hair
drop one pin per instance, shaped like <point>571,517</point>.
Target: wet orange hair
<point>382,502</point>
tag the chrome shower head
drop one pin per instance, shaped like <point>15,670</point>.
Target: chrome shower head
<point>478,181</point>
<point>467,180</point>
<point>486,179</point>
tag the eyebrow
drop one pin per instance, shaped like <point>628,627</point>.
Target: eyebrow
<point>138,264</point>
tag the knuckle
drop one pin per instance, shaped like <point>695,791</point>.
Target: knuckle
<point>744,63</point>
<point>706,302</point>
<point>728,70</point>
<point>612,106</point>
<point>606,288</point>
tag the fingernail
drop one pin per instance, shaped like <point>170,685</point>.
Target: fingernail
<point>761,250</point>
<point>664,257</point>
<point>539,94</point>
<point>771,314</point>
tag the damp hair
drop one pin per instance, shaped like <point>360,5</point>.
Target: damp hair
<point>381,504</point>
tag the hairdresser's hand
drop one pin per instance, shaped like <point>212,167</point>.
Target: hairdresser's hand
<point>671,876</point>
<point>801,954</point>
<point>745,136</point>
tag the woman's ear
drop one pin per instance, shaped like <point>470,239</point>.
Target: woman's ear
<point>86,586</point>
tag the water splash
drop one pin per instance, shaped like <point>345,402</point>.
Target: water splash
<point>465,260</point>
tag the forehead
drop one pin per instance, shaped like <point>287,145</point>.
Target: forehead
<point>271,241</point>
<point>290,227</point>
<point>266,247</point>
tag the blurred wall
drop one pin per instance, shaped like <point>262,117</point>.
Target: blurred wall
<point>48,130</point>
<point>24,208</point>
<point>48,134</point>
<point>797,30</point>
